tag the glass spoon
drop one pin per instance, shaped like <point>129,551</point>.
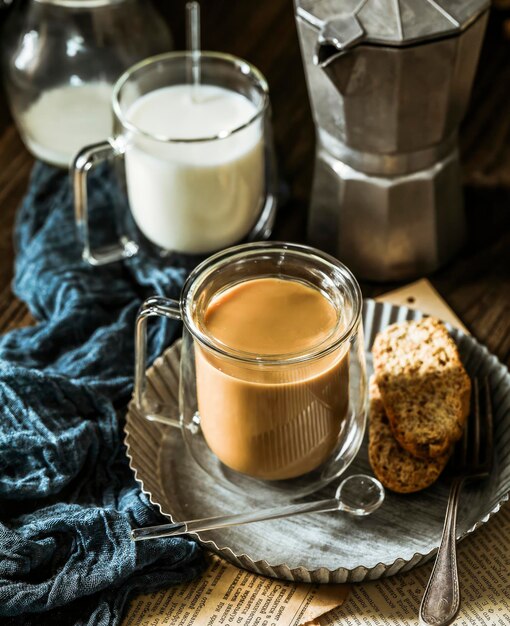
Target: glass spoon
<point>358,494</point>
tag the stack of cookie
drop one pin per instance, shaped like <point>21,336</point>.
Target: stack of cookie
<point>419,403</point>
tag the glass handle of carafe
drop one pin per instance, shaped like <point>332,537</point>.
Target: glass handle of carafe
<point>156,306</point>
<point>84,161</point>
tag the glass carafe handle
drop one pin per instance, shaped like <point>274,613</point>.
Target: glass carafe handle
<point>86,159</point>
<point>157,306</point>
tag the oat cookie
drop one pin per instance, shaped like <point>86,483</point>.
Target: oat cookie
<point>423,385</point>
<point>398,470</point>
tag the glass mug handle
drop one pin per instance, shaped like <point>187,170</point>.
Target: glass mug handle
<point>156,306</point>
<point>87,158</point>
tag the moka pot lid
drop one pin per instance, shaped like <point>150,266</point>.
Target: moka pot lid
<point>344,23</point>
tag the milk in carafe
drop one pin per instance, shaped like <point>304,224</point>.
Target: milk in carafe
<point>65,119</point>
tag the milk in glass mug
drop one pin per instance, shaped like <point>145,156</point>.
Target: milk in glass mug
<point>199,171</point>
<point>272,387</point>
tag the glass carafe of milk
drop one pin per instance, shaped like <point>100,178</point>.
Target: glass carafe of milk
<point>61,59</point>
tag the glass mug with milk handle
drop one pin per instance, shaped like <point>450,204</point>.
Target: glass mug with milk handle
<point>199,172</point>
<point>263,422</point>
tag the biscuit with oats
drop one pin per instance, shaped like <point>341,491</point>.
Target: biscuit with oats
<point>423,385</point>
<point>398,470</point>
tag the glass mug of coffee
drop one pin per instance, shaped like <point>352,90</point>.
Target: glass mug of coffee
<point>272,386</point>
<point>196,160</point>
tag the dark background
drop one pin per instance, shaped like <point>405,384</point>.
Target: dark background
<point>476,284</point>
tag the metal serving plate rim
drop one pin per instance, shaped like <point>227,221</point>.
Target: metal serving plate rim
<point>340,574</point>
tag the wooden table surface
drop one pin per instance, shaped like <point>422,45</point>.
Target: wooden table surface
<point>476,284</point>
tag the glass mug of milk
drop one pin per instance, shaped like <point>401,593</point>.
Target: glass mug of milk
<point>272,387</point>
<point>198,165</point>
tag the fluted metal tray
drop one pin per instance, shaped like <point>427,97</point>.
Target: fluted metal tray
<point>330,547</point>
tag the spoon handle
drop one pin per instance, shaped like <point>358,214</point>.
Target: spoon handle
<point>358,494</point>
<point>224,521</point>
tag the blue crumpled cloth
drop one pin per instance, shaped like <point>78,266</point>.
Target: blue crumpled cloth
<point>67,496</point>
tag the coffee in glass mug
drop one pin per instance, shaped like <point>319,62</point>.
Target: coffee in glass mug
<point>272,367</point>
<point>271,423</point>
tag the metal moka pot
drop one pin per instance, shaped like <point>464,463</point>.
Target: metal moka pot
<point>389,83</point>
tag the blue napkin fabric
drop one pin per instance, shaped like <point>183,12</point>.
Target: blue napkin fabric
<point>67,496</point>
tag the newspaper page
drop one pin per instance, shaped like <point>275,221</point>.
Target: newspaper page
<point>226,595</point>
